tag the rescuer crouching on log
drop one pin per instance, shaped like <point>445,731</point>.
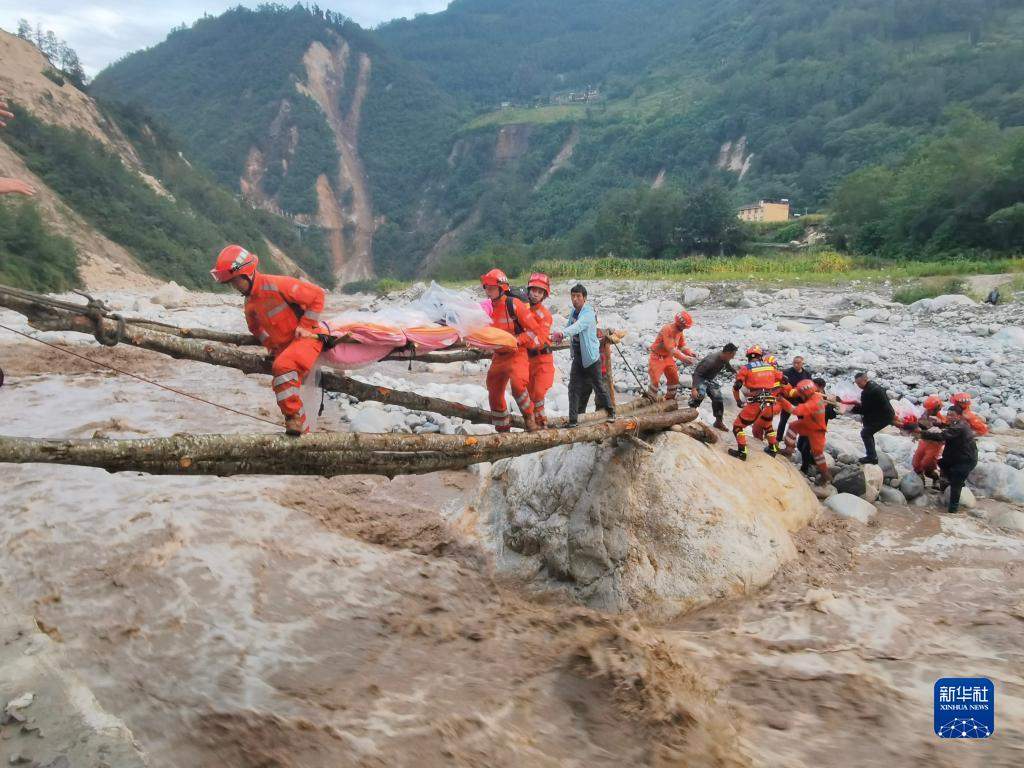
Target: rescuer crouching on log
<point>283,313</point>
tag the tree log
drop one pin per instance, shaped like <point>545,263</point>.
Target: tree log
<point>325,454</point>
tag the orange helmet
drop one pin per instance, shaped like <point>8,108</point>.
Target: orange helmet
<point>494,277</point>
<point>234,261</point>
<point>540,280</point>
<point>684,320</point>
<point>770,360</point>
<point>755,351</point>
<point>962,399</point>
<point>806,387</point>
<point>932,404</point>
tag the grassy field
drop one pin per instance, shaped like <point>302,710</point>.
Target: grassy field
<point>824,267</point>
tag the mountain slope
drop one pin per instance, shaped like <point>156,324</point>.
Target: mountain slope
<point>111,181</point>
<point>305,114</point>
<point>776,98</point>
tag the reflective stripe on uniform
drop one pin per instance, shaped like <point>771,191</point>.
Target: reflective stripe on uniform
<point>311,315</point>
<point>270,287</point>
<point>276,310</point>
<point>286,393</point>
<point>284,378</point>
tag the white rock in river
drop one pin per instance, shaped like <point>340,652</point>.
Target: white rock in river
<point>1010,519</point>
<point>668,309</point>
<point>1000,481</point>
<point>695,294</point>
<point>949,300</point>
<point>375,420</point>
<point>850,322</point>
<point>627,530</point>
<point>850,506</point>
<point>911,486</point>
<point>892,496</point>
<point>967,500</point>
<point>787,294</point>
<point>1010,336</point>
<point>793,326</point>
<point>171,296</point>
<point>645,315</point>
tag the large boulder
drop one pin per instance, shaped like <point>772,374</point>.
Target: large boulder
<point>626,530</point>
<point>645,315</point>
<point>695,294</point>
<point>887,466</point>
<point>850,479</point>
<point>967,500</point>
<point>793,326</point>
<point>892,496</point>
<point>171,296</point>
<point>1000,481</point>
<point>850,506</point>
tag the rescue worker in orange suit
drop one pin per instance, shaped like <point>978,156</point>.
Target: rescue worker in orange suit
<point>811,423</point>
<point>764,424</point>
<point>666,349</point>
<point>542,362</point>
<point>761,382</point>
<point>513,316</point>
<point>929,444</point>
<point>283,313</point>
<point>963,402</point>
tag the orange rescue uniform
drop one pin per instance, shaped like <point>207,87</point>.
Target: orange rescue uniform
<point>512,367</point>
<point>928,452</point>
<point>761,381</point>
<point>662,362</point>
<point>811,423</point>
<point>274,309</point>
<point>542,363</point>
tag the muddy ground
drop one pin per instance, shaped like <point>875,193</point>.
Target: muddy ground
<point>280,622</point>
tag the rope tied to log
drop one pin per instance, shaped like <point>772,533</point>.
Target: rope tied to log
<point>97,311</point>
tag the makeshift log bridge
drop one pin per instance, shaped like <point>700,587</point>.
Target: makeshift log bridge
<point>323,454</point>
<point>226,349</point>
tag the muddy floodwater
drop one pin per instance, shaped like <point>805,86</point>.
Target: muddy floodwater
<point>286,622</point>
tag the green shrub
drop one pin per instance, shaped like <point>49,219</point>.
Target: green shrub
<point>929,290</point>
<point>31,256</point>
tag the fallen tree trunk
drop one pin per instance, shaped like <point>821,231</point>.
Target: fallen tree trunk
<point>325,454</point>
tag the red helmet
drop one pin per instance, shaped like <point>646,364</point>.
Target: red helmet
<point>962,399</point>
<point>494,277</point>
<point>684,320</point>
<point>806,387</point>
<point>755,351</point>
<point>932,404</point>
<point>234,261</point>
<point>540,280</point>
<point>770,360</point>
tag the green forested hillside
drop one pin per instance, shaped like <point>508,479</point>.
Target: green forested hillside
<point>802,94</point>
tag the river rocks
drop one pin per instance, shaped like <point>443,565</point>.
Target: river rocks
<point>892,496</point>
<point>859,480</point>
<point>911,486</point>
<point>874,480</point>
<point>852,507</point>
<point>171,296</point>
<point>1000,481</point>
<point>695,294</point>
<point>793,326</point>
<point>1010,336</point>
<point>850,322</point>
<point>887,466</point>
<point>376,420</point>
<point>626,530</point>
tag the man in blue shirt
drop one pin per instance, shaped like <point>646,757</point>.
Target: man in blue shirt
<point>585,374</point>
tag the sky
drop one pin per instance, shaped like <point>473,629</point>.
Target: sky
<point>105,30</point>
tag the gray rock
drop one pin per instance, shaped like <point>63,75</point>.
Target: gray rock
<point>850,506</point>
<point>999,481</point>
<point>850,480</point>
<point>911,486</point>
<point>793,326</point>
<point>850,322</point>
<point>892,496</point>
<point>695,294</point>
<point>988,379</point>
<point>887,466</point>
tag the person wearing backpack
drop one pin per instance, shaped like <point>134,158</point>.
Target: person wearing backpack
<point>513,316</point>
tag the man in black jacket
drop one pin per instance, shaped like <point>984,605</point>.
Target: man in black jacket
<point>959,457</point>
<point>704,383</point>
<point>877,411</point>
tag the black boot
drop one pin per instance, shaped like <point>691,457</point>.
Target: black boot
<point>739,453</point>
<point>772,449</point>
